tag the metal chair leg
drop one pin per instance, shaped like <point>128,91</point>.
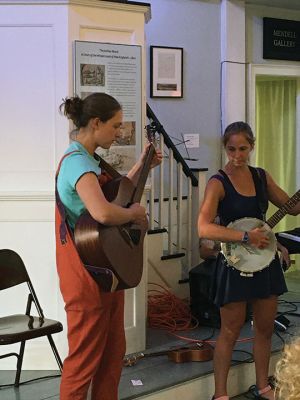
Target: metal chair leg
<point>55,352</point>
<point>19,364</point>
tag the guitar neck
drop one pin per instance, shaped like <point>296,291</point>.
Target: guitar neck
<point>137,195</point>
<point>272,221</point>
<point>132,360</point>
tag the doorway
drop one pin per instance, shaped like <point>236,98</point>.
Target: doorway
<point>274,114</point>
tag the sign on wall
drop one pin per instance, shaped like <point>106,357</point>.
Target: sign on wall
<point>116,70</point>
<point>281,39</point>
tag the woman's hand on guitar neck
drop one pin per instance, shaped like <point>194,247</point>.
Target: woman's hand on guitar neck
<point>138,213</point>
<point>258,238</point>
<point>157,158</point>
<point>134,173</point>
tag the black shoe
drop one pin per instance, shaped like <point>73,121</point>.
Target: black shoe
<point>255,393</point>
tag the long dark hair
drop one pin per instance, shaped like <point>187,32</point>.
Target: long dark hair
<point>238,127</point>
<point>96,105</point>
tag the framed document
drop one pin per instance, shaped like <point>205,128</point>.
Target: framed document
<point>166,77</point>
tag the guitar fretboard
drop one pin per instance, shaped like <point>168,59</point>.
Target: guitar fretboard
<point>284,210</point>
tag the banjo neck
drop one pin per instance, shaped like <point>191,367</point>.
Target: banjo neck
<point>282,211</point>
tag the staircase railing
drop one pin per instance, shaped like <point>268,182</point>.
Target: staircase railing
<point>174,199</point>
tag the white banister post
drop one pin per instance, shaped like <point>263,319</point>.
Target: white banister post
<point>161,186</point>
<point>171,203</point>
<point>197,196</point>
<point>179,208</point>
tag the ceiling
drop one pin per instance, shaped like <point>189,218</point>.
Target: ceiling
<point>288,4</point>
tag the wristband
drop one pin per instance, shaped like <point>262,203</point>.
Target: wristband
<point>245,238</point>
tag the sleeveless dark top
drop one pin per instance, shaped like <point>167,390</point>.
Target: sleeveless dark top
<point>228,285</point>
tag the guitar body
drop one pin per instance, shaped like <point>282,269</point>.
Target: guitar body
<point>198,352</point>
<point>117,248</point>
<point>194,353</point>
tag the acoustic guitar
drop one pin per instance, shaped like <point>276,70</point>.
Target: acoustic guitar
<point>198,352</point>
<point>116,249</point>
<point>246,258</point>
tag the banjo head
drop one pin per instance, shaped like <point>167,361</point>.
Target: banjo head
<point>246,258</point>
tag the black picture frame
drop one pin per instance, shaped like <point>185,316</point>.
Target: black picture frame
<point>166,72</point>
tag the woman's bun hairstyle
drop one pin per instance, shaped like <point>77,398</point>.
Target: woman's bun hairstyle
<point>96,105</point>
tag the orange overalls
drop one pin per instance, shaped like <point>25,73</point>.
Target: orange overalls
<point>95,321</point>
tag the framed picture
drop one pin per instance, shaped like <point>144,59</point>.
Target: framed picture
<point>166,78</point>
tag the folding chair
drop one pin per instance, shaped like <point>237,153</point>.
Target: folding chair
<point>18,328</point>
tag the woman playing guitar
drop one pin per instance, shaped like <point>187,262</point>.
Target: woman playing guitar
<point>95,318</point>
<point>232,194</point>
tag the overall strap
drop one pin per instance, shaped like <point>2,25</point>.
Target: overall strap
<point>59,165</point>
<point>63,227</point>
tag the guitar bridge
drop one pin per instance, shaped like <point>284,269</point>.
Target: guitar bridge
<point>233,259</point>
<point>125,234</point>
<point>135,235</point>
<point>130,235</point>
<point>247,274</point>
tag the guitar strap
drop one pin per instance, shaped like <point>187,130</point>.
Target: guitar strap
<point>260,183</point>
<point>106,167</point>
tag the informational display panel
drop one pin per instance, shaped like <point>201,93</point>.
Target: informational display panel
<point>114,69</point>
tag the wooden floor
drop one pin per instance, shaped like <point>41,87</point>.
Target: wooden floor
<point>161,379</point>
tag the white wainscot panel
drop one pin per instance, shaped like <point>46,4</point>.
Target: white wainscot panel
<point>27,227</point>
<point>27,140</point>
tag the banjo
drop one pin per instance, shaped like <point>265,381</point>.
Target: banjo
<point>243,256</point>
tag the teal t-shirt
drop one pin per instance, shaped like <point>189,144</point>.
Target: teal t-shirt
<point>72,168</point>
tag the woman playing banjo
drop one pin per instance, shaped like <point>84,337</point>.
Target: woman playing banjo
<point>236,192</point>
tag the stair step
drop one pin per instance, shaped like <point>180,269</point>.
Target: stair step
<point>189,381</point>
<point>174,255</point>
<point>156,230</point>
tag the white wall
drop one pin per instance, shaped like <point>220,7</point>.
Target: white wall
<point>254,32</point>
<point>195,26</point>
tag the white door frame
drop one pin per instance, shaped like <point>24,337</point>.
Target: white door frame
<point>275,70</point>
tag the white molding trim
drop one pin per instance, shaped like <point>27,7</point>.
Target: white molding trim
<point>27,196</point>
<point>146,10</point>
<point>37,196</point>
<point>107,28</point>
